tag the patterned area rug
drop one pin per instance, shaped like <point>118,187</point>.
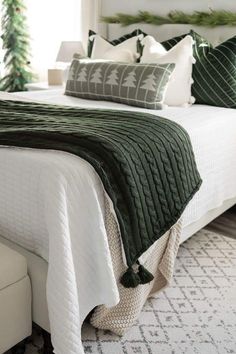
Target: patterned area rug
<point>196,315</point>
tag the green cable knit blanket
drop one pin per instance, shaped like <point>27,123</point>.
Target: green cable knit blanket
<point>145,162</point>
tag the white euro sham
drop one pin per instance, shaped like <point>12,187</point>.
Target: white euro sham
<point>179,89</point>
<point>124,52</point>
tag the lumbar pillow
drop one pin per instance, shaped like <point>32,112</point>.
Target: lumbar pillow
<point>179,90</point>
<point>82,59</point>
<point>139,85</point>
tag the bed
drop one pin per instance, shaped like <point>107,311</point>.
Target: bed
<point>24,226</point>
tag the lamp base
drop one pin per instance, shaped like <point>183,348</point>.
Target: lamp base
<point>55,76</point>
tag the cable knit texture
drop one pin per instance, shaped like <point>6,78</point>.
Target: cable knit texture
<point>146,163</point>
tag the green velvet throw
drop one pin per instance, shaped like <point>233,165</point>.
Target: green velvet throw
<point>145,162</point>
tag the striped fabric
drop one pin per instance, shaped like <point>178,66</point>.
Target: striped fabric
<point>199,45</point>
<point>173,41</point>
<point>214,73</point>
<point>115,41</point>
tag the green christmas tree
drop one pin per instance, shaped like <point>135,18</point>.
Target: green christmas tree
<point>15,39</point>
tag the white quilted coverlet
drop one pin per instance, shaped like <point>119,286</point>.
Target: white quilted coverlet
<point>213,134</point>
<point>52,203</point>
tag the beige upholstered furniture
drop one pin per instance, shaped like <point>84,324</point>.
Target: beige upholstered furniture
<point>15,299</point>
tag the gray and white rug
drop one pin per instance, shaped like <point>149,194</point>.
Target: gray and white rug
<point>196,315</point>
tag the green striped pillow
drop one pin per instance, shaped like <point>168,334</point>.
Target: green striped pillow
<point>200,44</point>
<point>214,73</point>
<point>172,42</point>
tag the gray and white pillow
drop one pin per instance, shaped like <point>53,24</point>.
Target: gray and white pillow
<point>142,85</point>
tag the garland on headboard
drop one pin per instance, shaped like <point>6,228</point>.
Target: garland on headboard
<point>209,19</point>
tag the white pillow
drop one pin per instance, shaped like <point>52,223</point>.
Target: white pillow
<point>124,52</point>
<point>178,92</point>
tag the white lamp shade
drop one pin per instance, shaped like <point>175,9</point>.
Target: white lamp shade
<point>68,49</point>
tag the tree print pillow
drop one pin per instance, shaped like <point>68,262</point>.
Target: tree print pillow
<point>142,85</point>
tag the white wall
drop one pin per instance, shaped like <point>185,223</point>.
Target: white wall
<point>50,22</point>
<point>53,21</point>
<point>110,7</point>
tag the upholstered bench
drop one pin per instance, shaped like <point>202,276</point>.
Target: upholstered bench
<point>15,299</point>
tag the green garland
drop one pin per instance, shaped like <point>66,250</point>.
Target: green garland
<point>15,39</point>
<point>198,18</point>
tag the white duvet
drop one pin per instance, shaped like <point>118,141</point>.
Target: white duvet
<point>52,203</point>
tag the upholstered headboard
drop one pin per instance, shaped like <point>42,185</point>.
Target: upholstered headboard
<point>215,35</point>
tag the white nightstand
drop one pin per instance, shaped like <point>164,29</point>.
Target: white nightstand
<point>40,86</point>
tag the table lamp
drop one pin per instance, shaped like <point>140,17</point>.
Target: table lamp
<point>68,49</point>
<point>58,74</point>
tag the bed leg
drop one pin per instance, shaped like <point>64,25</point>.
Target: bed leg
<point>19,348</point>
<point>47,347</point>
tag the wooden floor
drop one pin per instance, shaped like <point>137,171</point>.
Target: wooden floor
<point>225,224</point>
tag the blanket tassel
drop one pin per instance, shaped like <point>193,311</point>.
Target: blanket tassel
<point>144,275</point>
<point>130,279</point>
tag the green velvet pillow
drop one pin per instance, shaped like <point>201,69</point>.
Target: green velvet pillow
<point>173,41</point>
<point>214,73</point>
<point>200,46</point>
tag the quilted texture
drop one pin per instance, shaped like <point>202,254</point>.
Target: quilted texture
<point>141,85</point>
<point>146,164</point>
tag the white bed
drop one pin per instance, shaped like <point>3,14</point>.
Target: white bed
<point>34,185</point>
<point>209,128</point>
